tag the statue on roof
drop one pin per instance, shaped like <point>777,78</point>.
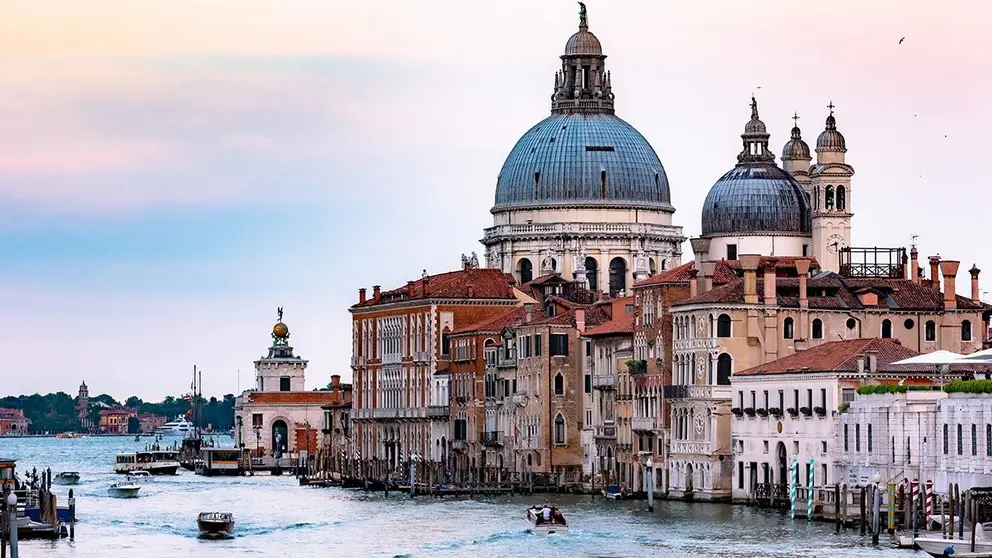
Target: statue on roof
<point>279,312</point>
<point>475,261</point>
<point>583,20</point>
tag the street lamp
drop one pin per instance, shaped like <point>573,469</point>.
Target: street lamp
<point>12,514</point>
<point>876,507</point>
<point>648,478</point>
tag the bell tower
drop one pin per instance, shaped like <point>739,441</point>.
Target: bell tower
<point>831,196</point>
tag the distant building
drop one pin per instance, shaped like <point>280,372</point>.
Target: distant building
<point>83,407</point>
<point>114,421</point>
<point>13,422</point>
<point>336,432</point>
<point>149,422</point>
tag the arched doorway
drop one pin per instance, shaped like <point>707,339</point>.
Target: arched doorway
<point>592,273</point>
<point>618,276</point>
<point>723,368</point>
<point>783,467</point>
<point>688,478</point>
<point>280,435</point>
<point>526,271</point>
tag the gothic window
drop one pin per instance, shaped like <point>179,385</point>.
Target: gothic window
<point>966,330</point>
<point>526,271</point>
<point>788,328</point>
<point>841,198</point>
<point>817,329</point>
<point>559,384</point>
<point>829,203</point>
<point>886,329</point>
<point>723,369</point>
<point>592,274</point>
<point>560,430</point>
<point>723,326</point>
<point>930,331</point>
<point>618,276</point>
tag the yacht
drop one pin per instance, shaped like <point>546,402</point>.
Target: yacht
<point>178,427</point>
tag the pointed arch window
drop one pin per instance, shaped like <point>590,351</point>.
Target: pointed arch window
<point>559,384</point>
<point>829,205</point>
<point>841,198</point>
<point>560,437</point>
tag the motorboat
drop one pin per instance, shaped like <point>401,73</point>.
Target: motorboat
<point>215,524</point>
<point>616,492</point>
<point>180,427</point>
<point>139,476</point>
<point>124,490</point>
<point>938,545</point>
<point>555,525</point>
<point>66,477</point>
<point>69,435</point>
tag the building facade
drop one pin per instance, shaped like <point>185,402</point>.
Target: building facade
<point>13,422</point>
<point>115,421</point>
<point>336,430</point>
<point>582,193</point>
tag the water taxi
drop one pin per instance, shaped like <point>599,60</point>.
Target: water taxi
<point>139,476</point>
<point>156,462</point>
<point>66,477</point>
<point>215,524</point>
<point>69,435</point>
<point>554,525</point>
<point>124,490</point>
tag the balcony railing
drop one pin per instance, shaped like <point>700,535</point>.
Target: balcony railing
<point>683,446</point>
<point>644,424</point>
<point>506,363</point>
<point>459,445</point>
<point>697,392</point>
<point>438,412</point>
<point>607,432</point>
<point>604,381</point>
<point>519,399</point>
<point>491,439</point>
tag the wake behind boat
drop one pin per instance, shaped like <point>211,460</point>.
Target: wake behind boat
<point>547,520</point>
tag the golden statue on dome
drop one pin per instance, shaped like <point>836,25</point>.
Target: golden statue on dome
<point>280,331</point>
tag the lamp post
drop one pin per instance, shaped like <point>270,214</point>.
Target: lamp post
<point>12,515</point>
<point>876,508</point>
<point>648,478</point>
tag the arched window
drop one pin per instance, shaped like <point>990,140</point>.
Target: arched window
<point>724,365</point>
<point>886,329</point>
<point>788,327</point>
<point>652,267</point>
<point>966,330</point>
<point>592,274</point>
<point>526,271</point>
<point>829,203</point>
<point>723,326</point>
<point>930,331</point>
<point>560,429</point>
<point>841,198</point>
<point>817,329</point>
<point>559,384</point>
<point>816,198</point>
<point>618,276</point>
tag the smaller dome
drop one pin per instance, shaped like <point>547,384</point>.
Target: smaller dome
<point>583,43</point>
<point>280,330</point>
<point>755,126</point>
<point>830,139</point>
<point>796,149</point>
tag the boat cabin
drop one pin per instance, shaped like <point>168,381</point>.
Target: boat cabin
<point>7,473</point>
<point>220,461</point>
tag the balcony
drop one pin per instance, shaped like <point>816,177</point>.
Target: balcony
<point>604,381</point>
<point>358,361</point>
<point>683,446</point>
<point>459,445</point>
<point>606,432</point>
<point>697,392</point>
<point>645,424</point>
<point>506,363</point>
<point>492,438</point>
<point>519,399</point>
<point>438,412</point>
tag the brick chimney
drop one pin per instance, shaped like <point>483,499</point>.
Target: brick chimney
<point>749,263</point>
<point>770,294</point>
<point>872,361</point>
<point>975,293</point>
<point>361,295</point>
<point>914,264</point>
<point>580,320</point>
<point>528,312</point>
<point>934,273</point>
<point>949,269</point>
<point>336,387</point>
<point>802,268</point>
<point>709,269</point>
<point>905,266</point>
<point>376,294</point>
<point>693,287</point>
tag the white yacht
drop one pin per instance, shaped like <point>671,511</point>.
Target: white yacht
<point>178,427</point>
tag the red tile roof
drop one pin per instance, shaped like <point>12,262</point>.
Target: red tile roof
<point>595,315</point>
<point>622,326</point>
<point>465,283</point>
<point>723,272</point>
<point>498,323</point>
<point>842,356</point>
<point>291,397</point>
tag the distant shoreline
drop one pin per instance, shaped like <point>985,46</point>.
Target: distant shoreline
<point>103,435</point>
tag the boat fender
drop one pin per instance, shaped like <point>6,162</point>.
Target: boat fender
<point>949,551</point>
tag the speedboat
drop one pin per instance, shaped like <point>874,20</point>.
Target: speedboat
<point>139,476</point>
<point>66,477</point>
<point>556,524</point>
<point>939,546</point>
<point>616,493</point>
<point>179,427</point>
<point>124,490</point>
<point>215,524</point>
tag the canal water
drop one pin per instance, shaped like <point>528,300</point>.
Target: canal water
<point>277,517</point>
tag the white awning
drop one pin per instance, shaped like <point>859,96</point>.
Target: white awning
<point>936,357</point>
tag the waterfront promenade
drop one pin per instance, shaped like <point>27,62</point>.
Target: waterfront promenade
<point>277,517</point>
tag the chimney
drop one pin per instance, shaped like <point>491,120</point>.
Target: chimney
<point>376,294</point>
<point>409,288</point>
<point>336,387</point>
<point>905,265</point>
<point>693,287</point>
<point>861,364</point>
<point>872,362</point>
<point>528,312</point>
<point>914,265</point>
<point>749,263</point>
<point>949,269</point>
<point>934,275</point>
<point>423,284</point>
<point>709,269</point>
<point>770,294</point>
<point>466,265</point>
<point>361,295</point>
<point>802,268</point>
<point>580,320</point>
<point>470,290</point>
<point>975,293</point>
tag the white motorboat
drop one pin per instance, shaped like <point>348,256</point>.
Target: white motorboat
<point>66,477</point>
<point>139,476</point>
<point>180,427</point>
<point>939,546</point>
<point>124,490</point>
<point>555,525</point>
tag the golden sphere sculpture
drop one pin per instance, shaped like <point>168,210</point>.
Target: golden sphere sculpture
<point>280,330</point>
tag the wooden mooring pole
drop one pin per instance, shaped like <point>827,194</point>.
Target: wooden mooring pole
<point>837,517</point>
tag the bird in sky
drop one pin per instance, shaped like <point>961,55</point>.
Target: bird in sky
<point>901,40</point>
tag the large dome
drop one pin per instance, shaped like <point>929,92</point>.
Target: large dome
<point>756,198</point>
<point>583,159</point>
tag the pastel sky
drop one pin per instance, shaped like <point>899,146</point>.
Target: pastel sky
<point>171,172</point>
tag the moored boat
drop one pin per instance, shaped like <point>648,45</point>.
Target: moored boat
<point>69,435</point>
<point>616,492</point>
<point>178,427</point>
<point>215,524</point>
<point>555,524</point>
<point>124,490</point>
<point>66,477</point>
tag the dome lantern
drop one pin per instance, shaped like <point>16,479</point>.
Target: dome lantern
<point>830,140</point>
<point>582,84</point>
<point>796,149</point>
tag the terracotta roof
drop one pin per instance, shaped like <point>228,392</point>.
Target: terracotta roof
<point>782,263</point>
<point>595,315</point>
<point>723,272</point>
<point>464,283</point>
<point>841,356</point>
<point>291,397</point>
<point>497,323</point>
<point>623,325</point>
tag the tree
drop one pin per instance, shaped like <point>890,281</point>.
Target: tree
<point>134,402</point>
<point>133,425</point>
